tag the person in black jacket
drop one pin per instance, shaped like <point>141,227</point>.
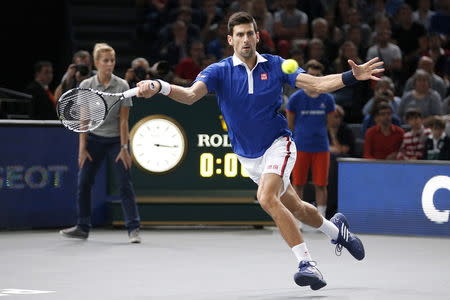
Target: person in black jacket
<point>43,105</point>
<point>437,145</point>
<point>342,144</point>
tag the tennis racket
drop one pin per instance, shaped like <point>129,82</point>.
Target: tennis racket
<point>84,109</point>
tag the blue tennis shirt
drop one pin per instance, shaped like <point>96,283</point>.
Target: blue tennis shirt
<point>250,100</point>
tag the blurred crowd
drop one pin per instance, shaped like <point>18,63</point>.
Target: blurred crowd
<point>181,37</point>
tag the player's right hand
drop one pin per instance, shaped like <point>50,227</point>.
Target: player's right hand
<point>148,88</point>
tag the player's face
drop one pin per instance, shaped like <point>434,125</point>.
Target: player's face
<point>244,40</point>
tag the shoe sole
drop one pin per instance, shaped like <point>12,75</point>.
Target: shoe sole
<point>73,236</point>
<point>313,282</point>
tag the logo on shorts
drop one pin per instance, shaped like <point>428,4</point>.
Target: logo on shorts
<point>272,167</point>
<point>264,76</point>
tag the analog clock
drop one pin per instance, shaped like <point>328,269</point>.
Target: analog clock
<point>158,144</point>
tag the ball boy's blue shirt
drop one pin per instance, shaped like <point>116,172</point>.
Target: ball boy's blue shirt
<point>250,100</point>
<point>310,128</point>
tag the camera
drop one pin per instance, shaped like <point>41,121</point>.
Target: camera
<point>83,69</point>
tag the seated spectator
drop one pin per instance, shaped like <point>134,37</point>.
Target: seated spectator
<point>383,140</point>
<point>210,16</point>
<point>440,21</point>
<point>384,90</point>
<point>413,140</point>
<point>423,13</point>
<point>421,97</point>
<point>187,70</point>
<point>44,101</point>
<point>290,24</point>
<point>437,83</point>
<point>258,8</point>
<point>354,20</point>
<point>347,51</point>
<point>321,31</point>
<point>217,46</point>
<point>369,119</point>
<point>342,144</point>
<point>437,145</point>
<point>354,35</point>
<point>265,44</point>
<point>390,54</point>
<point>161,70</point>
<point>340,136</point>
<point>176,50</point>
<point>315,49</point>
<point>438,54</point>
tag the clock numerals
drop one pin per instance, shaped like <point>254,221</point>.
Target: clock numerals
<point>230,167</point>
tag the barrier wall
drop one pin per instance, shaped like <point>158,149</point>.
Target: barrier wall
<point>391,197</point>
<point>38,174</point>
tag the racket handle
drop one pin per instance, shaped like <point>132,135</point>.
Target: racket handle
<point>131,93</point>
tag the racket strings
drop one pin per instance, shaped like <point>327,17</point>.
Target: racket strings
<point>81,110</point>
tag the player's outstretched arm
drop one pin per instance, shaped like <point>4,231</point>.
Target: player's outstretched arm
<point>330,83</point>
<point>185,95</point>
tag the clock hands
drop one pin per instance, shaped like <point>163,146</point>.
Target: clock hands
<point>167,146</point>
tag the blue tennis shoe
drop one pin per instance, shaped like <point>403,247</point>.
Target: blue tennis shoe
<point>308,274</point>
<point>346,238</point>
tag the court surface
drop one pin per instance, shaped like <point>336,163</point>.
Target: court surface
<point>215,263</point>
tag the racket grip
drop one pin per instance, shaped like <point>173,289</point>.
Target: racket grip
<point>131,93</point>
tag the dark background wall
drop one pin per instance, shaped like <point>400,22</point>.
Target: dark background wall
<point>32,31</point>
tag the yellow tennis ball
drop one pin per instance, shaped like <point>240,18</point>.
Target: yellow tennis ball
<point>289,66</point>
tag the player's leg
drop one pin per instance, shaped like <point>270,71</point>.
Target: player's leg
<point>320,168</point>
<point>127,195</point>
<point>268,193</point>
<point>86,179</point>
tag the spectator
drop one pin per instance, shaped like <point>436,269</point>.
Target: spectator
<point>384,90</point>
<point>421,97</point>
<point>347,51</point>
<point>354,20</point>
<point>437,145</point>
<point>440,21</point>
<point>307,117</point>
<point>414,140</point>
<point>161,70</point>
<point>266,44</point>
<point>176,50</point>
<point>354,36</point>
<point>139,70</point>
<point>290,25</point>
<point>383,140</point>
<point>109,140</point>
<point>437,83</point>
<point>187,70</point>
<point>258,8</point>
<point>408,33</point>
<point>423,13</point>
<point>218,45</point>
<point>321,31</point>
<point>369,119</point>
<point>210,17</point>
<point>342,144</point>
<point>389,53</point>
<point>44,101</point>
<point>439,55</point>
<point>315,49</point>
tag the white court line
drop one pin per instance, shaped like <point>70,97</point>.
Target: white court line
<point>7,292</point>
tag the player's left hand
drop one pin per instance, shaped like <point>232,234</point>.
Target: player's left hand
<point>368,70</point>
<point>125,157</point>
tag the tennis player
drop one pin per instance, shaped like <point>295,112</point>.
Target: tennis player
<point>248,86</point>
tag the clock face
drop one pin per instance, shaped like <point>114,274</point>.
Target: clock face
<point>158,144</point>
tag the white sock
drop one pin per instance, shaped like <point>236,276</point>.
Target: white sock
<point>329,229</point>
<point>322,210</point>
<point>301,252</point>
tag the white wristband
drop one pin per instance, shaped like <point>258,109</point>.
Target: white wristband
<point>165,87</point>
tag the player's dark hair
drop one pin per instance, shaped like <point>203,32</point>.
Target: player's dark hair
<point>239,18</point>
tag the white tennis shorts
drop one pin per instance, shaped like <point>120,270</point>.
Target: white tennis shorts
<point>278,159</point>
